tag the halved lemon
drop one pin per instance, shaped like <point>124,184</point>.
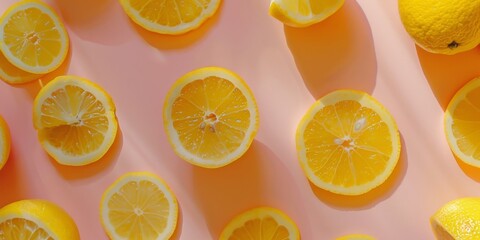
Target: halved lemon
<point>356,237</point>
<point>263,223</point>
<point>75,119</point>
<point>210,116</point>
<point>170,16</point>
<point>303,13</point>
<point>36,219</point>
<point>348,143</point>
<point>139,205</point>
<point>461,122</point>
<point>32,37</point>
<point>13,75</point>
<point>5,142</point>
<point>457,219</point>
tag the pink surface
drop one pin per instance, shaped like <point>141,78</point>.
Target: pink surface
<point>363,46</point>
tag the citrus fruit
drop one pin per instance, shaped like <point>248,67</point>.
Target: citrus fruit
<point>13,75</point>
<point>170,16</point>
<point>442,26</point>
<point>356,237</point>
<point>75,119</point>
<point>458,219</point>
<point>5,142</point>
<point>303,13</point>
<point>210,116</point>
<point>348,143</point>
<point>139,205</point>
<point>36,219</point>
<point>32,37</point>
<point>261,224</point>
<point>461,119</point>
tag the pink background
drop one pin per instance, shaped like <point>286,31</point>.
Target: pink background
<point>363,46</point>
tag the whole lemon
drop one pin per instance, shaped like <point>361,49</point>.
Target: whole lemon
<point>458,219</point>
<point>442,26</point>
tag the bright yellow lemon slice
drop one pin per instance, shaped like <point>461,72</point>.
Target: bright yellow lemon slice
<point>210,116</point>
<point>32,37</point>
<point>303,13</point>
<point>75,119</point>
<point>170,16</point>
<point>5,142</point>
<point>262,223</point>
<point>462,119</point>
<point>139,205</point>
<point>36,219</point>
<point>348,143</point>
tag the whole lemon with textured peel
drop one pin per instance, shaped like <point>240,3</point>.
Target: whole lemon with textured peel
<point>303,13</point>
<point>458,219</point>
<point>36,219</point>
<point>442,26</point>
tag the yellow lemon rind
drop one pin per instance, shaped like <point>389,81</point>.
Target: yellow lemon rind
<point>356,237</point>
<point>5,142</point>
<point>47,215</point>
<point>139,176</point>
<point>101,95</point>
<point>280,217</point>
<point>176,30</point>
<point>172,134</point>
<point>448,121</point>
<point>293,19</point>
<point>59,26</point>
<point>366,101</point>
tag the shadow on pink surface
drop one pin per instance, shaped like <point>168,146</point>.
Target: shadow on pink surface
<point>446,74</point>
<point>90,170</point>
<point>369,199</point>
<point>94,20</point>
<point>471,171</point>
<point>169,42</point>
<point>12,181</point>
<point>252,181</point>
<point>336,53</point>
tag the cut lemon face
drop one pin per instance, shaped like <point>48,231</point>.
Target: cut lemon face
<point>211,117</point>
<point>261,224</point>
<point>33,37</point>
<point>457,219</point>
<point>13,75</point>
<point>303,13</point>
<point>75,120</point>
<point>36,219</point>
<point>461,123</point>
<point>170,16</point>
<point>356,237</point>
<point>139,205</point>
<point>348,143</point>
<point>5,142</point>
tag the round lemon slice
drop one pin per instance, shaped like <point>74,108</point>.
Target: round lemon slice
<point>75,119</point>
<point>139,205</point>
<point>348,143</point>
<point>260,224</point>
<point>36,219</point>
<point>32,37</point>
<point>5,142</point>
<point>303,13</point>
<point>210,116</point>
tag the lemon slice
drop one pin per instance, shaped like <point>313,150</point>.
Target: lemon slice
<point>4,142</point>
<point>36,219</point>
<point>210,117</point>
<point>356,237</point>
<point>303,13</point>
<point>348,143</point>
<point>13,75</point>
<point>457,219</point>
<point>75,120</point>
<point>263,223</point>
<point>461,121</point>
<point>170,16</point>
<point>139,205</point>
<point>33,37</point>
